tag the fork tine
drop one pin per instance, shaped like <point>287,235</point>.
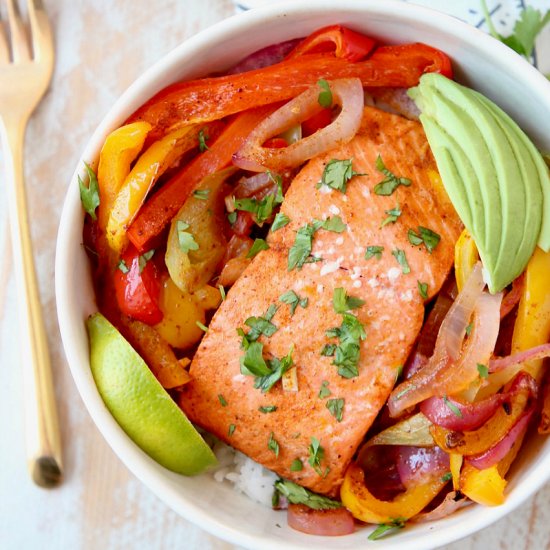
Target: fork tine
<point>40,30</point>
<point>4,50</point>
<point>19,44</point>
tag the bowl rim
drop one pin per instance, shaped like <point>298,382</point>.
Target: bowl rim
<point>134,459</point>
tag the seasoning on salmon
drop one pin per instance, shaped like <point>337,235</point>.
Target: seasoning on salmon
<point>342,284</point>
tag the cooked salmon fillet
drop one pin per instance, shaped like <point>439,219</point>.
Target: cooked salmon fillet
<point>223,401</point>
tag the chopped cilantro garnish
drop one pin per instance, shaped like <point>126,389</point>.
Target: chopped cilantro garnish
<point>258,246</point>
<point>281,219</point>
<point>300,251</point>
<point>262,209</point>
<point>447,477</point>
<point>405,391</point>
<point>296,494</point>
<point>297,465</point>
<point>268,409</point>
<point>469,329</point>
<point>252,362</point>
<point>316,455</point>
<point>336,408</point>
<point>201,326</point>
<point>89,195</point>
<point>483,370</point>
<point>232,217</point>
<point>325,96</point>
<point>391,182</point>
<point>454,409</point>
<point>222,400</point>
<point>328,350</point>
<point>231,430</point>
<point>222,292</point>
<point>424,235</point>
<point>374,251</point>
<point>383,528</point>
<point>342,302</point>
<point>123,267</point>
<point>334,224</point>
<point>401,258</point>
<point>337,174</point>
<point>185,238</point>
<point>423,289</point>
<point>293,300</point>
<point>144,258</point>
<point>202,141</point>
<point>393,214</point>
<point>261,325</point>
<point>277,368</point>
<point>273,445</point>
<point>346,356</point>
<point>324,391</point>
<point>201,194</point>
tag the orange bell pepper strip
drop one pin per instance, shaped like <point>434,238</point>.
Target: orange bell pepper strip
<point>148,169</point>
<point>117,154</point>
<point>366,507</point>
<point>483,486</point>
<point>213,98</point>
<point>164,205</point>
<point>343,42</point>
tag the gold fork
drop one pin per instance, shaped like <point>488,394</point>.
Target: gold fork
<point>25,74</point>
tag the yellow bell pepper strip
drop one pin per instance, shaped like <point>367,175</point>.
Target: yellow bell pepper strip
<point>160,156</point>
<point>483,486</point>
<point>366,507</point>
<point>532,326</point>
<point>475,442</point>
<point>120,149</point>
<point>456,461</point>
<point>466,257</point>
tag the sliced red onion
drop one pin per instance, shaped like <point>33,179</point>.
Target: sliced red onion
<point>418,465</point>
<point>498,451</point>
<point>532,354</point>
<point>266,56</point>
<point>249,186</point>
<point>326,523</point>
<point>346,92</point>
<point>472,415</point>
<point>452,502</point>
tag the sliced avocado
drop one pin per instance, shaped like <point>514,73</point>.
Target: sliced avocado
<point>494,165</point>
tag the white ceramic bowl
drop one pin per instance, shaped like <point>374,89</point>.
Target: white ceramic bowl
<point>480,62</point>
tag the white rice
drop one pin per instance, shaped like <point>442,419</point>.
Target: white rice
<point>246,476</point>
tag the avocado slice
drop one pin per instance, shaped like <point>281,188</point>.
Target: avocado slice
<point>496,166</point>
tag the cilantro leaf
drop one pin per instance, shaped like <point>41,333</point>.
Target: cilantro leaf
<point>144,258</point>
<point>447,477</point>
<point>426,236</point>
<point>423,289</point>
<point>185,238</point>
<point>202,326</point>
<point>123,267</point>
<point>324,391</point>
<point>268,409</point>
<point>300,251</point>
<point>334,224</point>
<point>273,445</point>
<point>328,350</point>
<point>201,194</point>
<point>337,174</point>
<point>293,300</point>
<point>336,408</point>
<point>296,494</point>
<point>483,370</point>
<point>297,465</point>
<point>393,214</point>
<point>325,96</point>
<point>277,368</point>
<point>454,409</point>
<point>231,430</point>
<point>222,400</point>
<point>257,246</point>
<point>202,141</point>
<point>281,219</point>
<point>401,258</point>
<point>89,195</point>
<point>346,356</point>
<point>374,251</point>
<point>316,455</point>
<point>391,182</point>
<point>342,302</point>
<point>232,217</point>
<point>383,528</point>
<point>261,325</point>
<point>252,362</point>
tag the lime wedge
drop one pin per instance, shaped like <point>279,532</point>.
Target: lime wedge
<point>141,405</point>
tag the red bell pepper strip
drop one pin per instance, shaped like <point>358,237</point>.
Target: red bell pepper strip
<point>137,287</point>
<point>316,122</point>
<point>157,212</point>
<point>344,42</point>
<point>217,97</point>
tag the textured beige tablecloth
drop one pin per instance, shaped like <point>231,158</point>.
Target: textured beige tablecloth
<point>102,46</point>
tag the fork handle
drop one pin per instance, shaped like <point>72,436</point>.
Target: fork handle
<point>43,441</point>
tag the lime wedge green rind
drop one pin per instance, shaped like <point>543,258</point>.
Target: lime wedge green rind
<point>140,405</point>
<point>494,175</point>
